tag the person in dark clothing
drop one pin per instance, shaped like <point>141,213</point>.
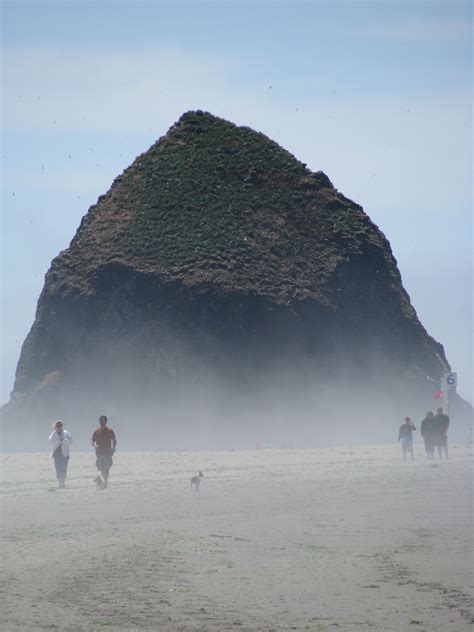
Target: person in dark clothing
<point>428,432</point>
<point>405,434</point>
<point>441,422</point>
<point>104,442</point>
<point>60,440</point>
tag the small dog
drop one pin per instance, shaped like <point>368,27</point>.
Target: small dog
<point>99,482</point>
<point>196,480</point>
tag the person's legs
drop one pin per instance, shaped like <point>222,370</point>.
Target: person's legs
<point>104,463</point>
<point>445,447</point>
<point>105,474</point>
<point>98,479</point>
<point>407,446</point>
<point>64,472</point>
<point>106,471</point>
<point>440,451</point>
<point>58,464</point>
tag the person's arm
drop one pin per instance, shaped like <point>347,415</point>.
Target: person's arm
<point>400,434</point>
<point>67,438</point>
<point>114,441</point>
<point>55,440</point>
<point>93,443</point>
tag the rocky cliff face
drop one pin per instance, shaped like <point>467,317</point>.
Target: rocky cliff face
<point>218,268</point>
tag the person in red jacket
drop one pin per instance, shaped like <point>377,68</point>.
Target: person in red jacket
<point>104,442</point>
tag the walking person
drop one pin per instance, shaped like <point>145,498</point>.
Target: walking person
<point>60,440</point>
<point>104,442</point>
<point>441,422</point>
<point>406,435</point>
<point>428,432</point>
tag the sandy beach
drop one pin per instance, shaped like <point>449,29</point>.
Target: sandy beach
<point>340,539</point>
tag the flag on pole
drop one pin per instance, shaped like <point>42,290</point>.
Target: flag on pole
<point>438,395</point>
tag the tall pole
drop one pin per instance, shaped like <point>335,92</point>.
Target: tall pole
<point>448,382</point>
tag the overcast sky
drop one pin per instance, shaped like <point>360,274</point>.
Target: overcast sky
<point>376,94</point>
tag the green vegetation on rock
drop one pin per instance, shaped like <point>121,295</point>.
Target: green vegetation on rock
<point>202,189</point>
<point>213,204</point>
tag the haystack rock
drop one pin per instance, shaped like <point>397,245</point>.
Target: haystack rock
<point>220,294</point>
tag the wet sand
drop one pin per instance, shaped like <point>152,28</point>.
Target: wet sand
<point>342,539</point>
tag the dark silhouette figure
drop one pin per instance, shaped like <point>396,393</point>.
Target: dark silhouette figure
<point>441,432</point>
<point>428,432</point>
<point>406,435</point>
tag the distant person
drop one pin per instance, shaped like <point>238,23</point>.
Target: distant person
<point>406,435</point>
<point>428,432</point>
<point>60,440</point>
<point>441,432</point>
<point>104,442</point>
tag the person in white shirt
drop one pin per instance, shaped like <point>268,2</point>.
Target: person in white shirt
<point>60,440</point>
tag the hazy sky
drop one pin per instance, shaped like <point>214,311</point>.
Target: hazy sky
<point>376,94</point>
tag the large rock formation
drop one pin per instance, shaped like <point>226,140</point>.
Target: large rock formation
<point>222,287</point>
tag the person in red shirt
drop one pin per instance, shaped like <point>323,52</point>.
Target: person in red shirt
<point>104,442</point>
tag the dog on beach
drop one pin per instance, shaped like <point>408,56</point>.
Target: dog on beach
<point>99,482</point>
<point>196,480</point>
